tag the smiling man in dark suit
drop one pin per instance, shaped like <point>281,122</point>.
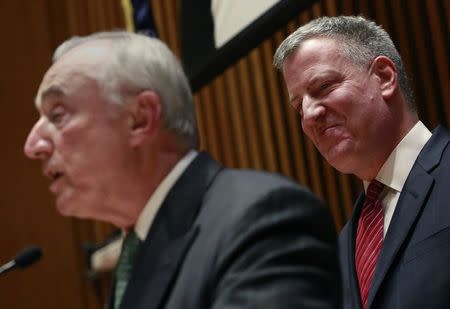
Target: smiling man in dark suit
<point>116,136</point>
<point>346,79</point>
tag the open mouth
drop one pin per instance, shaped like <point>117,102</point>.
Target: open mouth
<point>55,176</point>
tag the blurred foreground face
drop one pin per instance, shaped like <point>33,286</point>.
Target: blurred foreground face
<point>340,105</point>
<point>80,138</point>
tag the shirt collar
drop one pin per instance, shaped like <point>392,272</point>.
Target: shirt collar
<point>396,169</point>
<point>148,214</point>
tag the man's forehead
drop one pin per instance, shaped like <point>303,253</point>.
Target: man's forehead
<point>315,54</point>
<point>53,83</point>
<point>88,51</point>
<point>79,65</point>
<point>317,48</point>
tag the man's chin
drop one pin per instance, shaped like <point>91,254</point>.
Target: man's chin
<point>66,206</point>
<point>65,210</point>
<point>341,162</point>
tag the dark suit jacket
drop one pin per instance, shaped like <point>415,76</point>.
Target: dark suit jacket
<point>413,267</point>
<point>236,239</point>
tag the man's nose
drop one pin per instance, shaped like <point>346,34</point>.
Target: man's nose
<point>312,110</point>
<point>37,145</point>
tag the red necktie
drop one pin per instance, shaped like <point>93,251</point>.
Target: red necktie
<point>369,238</point>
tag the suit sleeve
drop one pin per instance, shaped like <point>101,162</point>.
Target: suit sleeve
<point>281,253</point>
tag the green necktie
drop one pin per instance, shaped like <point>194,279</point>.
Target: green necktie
<point>125,264</point>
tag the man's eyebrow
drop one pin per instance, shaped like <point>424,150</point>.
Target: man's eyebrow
<point>52,91</point>
<point>322,75</point>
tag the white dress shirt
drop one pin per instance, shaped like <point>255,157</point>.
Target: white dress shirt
<point>148,213</point>
<point>396,169</point>
<point>105,259</point>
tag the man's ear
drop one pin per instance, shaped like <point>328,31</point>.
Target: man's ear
<point>145,116</point>
<point>386,71</point>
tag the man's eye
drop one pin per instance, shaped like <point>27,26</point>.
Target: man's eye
<point>57,115</point>
<point>325,85</point>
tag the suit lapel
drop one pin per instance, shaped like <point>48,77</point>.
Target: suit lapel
<point>154,274</point>
<point>406,212</point>
<point>410,204</point>
<point>170,237</point>
<point>350,253</point>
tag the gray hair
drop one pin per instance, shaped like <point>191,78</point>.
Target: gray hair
<point>143,63</point>
<point>360,40</point>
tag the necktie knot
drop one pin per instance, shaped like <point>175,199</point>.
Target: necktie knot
<point>130,244</point>
<point>374,190</point>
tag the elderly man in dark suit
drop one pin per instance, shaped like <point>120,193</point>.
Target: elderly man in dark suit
<point>116,136</point>
<point>346,79</point>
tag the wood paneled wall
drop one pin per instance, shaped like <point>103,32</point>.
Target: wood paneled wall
<point>243,116</point>
<point>30,32</point>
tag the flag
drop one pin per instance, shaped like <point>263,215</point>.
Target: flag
<point>139,17</point>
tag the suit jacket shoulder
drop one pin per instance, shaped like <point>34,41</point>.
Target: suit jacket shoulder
<point>253,240</point>
<point>417,245</point>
